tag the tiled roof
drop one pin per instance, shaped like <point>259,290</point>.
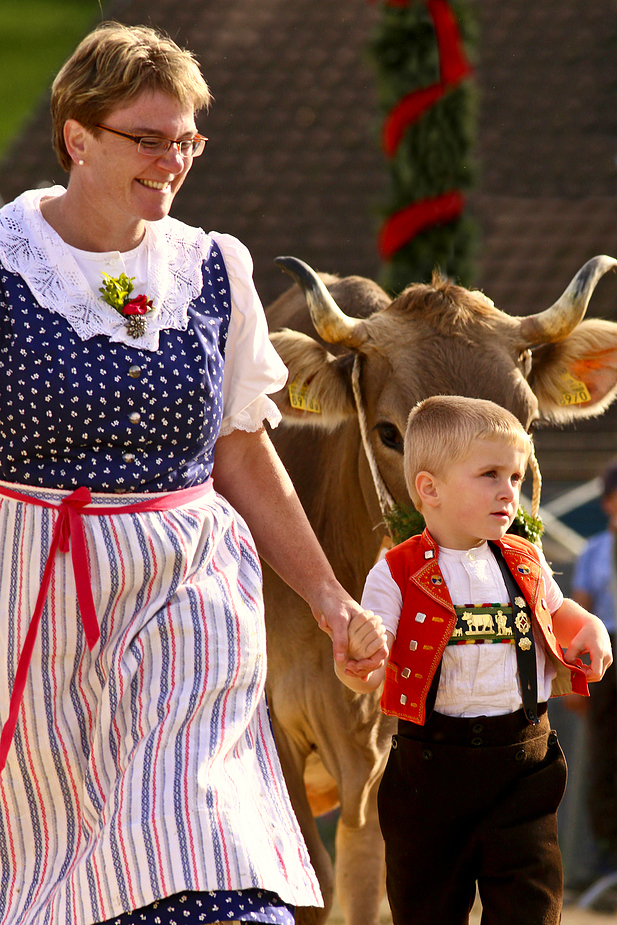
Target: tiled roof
<point>294,164</point>
<point>546,198</point>
<point>547,143</point>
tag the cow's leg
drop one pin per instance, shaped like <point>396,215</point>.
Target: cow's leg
<point>361,867</point>
<point>292,763</point>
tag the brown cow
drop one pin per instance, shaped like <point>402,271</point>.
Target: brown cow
<point>437,338</point>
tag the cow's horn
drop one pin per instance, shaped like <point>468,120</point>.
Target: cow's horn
<point>556,322</point>
<point>332,325</point>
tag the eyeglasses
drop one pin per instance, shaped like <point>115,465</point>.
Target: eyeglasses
<point>154,146</point>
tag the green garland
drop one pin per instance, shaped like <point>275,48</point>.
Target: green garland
<point>403,522</point>
<point>531,528</point>
<point>434,155</point>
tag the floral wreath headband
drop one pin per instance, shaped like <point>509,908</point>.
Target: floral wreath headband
<point>117,293</point>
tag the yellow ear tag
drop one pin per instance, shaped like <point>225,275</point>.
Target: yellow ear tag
<point>574,392</point>
<point>298,399</point>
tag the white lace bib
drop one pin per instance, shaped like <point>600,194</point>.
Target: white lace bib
<point>30,247</point>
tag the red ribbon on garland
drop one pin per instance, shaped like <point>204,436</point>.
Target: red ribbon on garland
<point>404,225</point>
<point>453,68</point>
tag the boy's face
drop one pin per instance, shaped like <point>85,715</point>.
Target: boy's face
<point>478,498</point>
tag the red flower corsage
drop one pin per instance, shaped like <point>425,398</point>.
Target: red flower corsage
<point>117,293</point>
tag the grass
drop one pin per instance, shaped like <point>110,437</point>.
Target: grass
<point>35,38</point>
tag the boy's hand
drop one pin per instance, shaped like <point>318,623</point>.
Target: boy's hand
<point>593,640</point>
<point>364,668</point>
<point>367,643</point>
<point>335,611</point>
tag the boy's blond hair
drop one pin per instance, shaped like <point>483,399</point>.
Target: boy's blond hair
<point>443,429</point>
<point>111,67</point>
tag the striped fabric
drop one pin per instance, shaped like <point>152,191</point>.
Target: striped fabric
<point>147,766</point>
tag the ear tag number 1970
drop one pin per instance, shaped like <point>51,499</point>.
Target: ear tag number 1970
<point>573,391</point>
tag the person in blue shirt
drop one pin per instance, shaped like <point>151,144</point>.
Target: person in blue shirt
<point>594,586</point>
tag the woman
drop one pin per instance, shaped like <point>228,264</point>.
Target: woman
<point>140,771</point>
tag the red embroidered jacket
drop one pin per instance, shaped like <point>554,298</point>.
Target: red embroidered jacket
<point>428,619</point>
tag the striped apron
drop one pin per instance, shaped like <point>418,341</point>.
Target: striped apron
<point>143,761</point>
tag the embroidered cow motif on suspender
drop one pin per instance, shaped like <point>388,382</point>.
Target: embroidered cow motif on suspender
<point>483,623</point>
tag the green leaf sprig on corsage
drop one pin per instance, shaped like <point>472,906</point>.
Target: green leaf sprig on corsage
<point>117,293</point>
<point>403,522</point>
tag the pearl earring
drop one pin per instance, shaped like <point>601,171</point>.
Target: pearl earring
<point>81,163</point>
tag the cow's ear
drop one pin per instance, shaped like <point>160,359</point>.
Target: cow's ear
<point>577,377</point>
<point>318,390</point>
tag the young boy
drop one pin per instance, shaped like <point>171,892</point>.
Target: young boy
<point>475,626</point>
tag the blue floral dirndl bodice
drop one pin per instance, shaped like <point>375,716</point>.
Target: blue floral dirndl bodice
<point>108,415</point>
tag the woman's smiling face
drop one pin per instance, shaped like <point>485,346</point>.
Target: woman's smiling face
<point>125,186</point>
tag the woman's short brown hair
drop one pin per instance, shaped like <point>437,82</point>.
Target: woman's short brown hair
<point>111,67</point>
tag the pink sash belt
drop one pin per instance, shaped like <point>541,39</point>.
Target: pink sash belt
<point>69,533</point>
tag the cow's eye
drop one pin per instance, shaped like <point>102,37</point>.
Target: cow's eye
<point>390,436</point>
